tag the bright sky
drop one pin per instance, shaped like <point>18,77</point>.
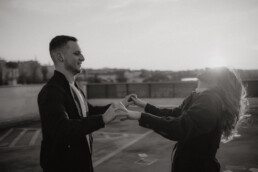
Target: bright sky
<point>135,34</point>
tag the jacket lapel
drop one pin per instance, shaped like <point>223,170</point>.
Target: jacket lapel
<point>84,98</point>
<point>76,102</point>
<point>58,76</point>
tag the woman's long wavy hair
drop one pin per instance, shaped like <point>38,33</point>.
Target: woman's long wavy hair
<point>233,95</point>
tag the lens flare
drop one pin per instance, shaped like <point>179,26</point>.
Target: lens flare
<point>217,61</point>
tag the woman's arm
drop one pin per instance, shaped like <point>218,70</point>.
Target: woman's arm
<point>200,118</point>
<point>162,112</point>
<point>155,110</point>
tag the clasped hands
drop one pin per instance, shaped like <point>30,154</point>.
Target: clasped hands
<point>119,110</point>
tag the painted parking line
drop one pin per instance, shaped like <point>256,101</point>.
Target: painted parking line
<point>98,136</point>
<point>35,137</point>
<point>18,138</point>
<point>105,158</point>
<point>6,134</point>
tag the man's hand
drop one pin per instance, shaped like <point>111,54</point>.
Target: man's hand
<point>112,112</point>
<point>132,115</point>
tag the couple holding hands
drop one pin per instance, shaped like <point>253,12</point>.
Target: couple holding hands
<point>209,114</point>
<point>119,110</point>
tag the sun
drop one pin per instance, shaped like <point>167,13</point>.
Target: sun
<point>217,61</point>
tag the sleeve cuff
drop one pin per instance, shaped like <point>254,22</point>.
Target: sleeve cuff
<point>148,108</point>
<point>97,122</point>
<point>146,120</point>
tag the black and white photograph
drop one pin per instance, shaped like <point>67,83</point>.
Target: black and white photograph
<point>129,86</point>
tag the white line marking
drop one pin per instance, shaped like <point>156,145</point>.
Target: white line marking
<point>6,134</point>
<point>110,135</point>
<point>18,138</point>
<point>95,164</point>
<point>235,167</point>
<point>34,138</point>
<point>254,169</point>
<point>29,128</point>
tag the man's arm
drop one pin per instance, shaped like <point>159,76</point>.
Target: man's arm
<point>55,120</point>
<point>165,112</point>
<point>97,110</point>
<point>94,110</point>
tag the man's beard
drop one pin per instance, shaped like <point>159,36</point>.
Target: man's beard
<point>72,69</point>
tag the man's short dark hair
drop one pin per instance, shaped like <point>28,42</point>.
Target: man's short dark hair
<point>60,41</point>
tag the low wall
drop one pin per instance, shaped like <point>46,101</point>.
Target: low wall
<point>155,90</point>
<point>18,103</point>
<point>145,90</point>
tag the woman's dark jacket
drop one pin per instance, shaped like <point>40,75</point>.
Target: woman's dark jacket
<point>195,125</point>
<point>64,146</point>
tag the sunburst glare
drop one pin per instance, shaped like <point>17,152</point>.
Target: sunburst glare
<point>217,61</point>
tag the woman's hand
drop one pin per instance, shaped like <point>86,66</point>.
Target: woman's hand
<point>127,101</point>
<point>138,101</point>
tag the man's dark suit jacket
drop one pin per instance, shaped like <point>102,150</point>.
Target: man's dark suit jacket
<point>64,146</point>
<point>195,125</point>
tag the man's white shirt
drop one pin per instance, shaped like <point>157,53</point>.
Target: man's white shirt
<point>83,104</point>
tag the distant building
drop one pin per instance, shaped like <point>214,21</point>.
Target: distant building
<point>2,72</point>
<point>107,77</point>
<point>12,74</point>
<point>189,79</point>
<point>9,73</point>
<point>30,72</point>
<point>101,75</point>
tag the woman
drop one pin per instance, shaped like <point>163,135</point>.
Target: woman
<point>206,116</point>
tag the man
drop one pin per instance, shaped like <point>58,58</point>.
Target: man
<point>67,119</point>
